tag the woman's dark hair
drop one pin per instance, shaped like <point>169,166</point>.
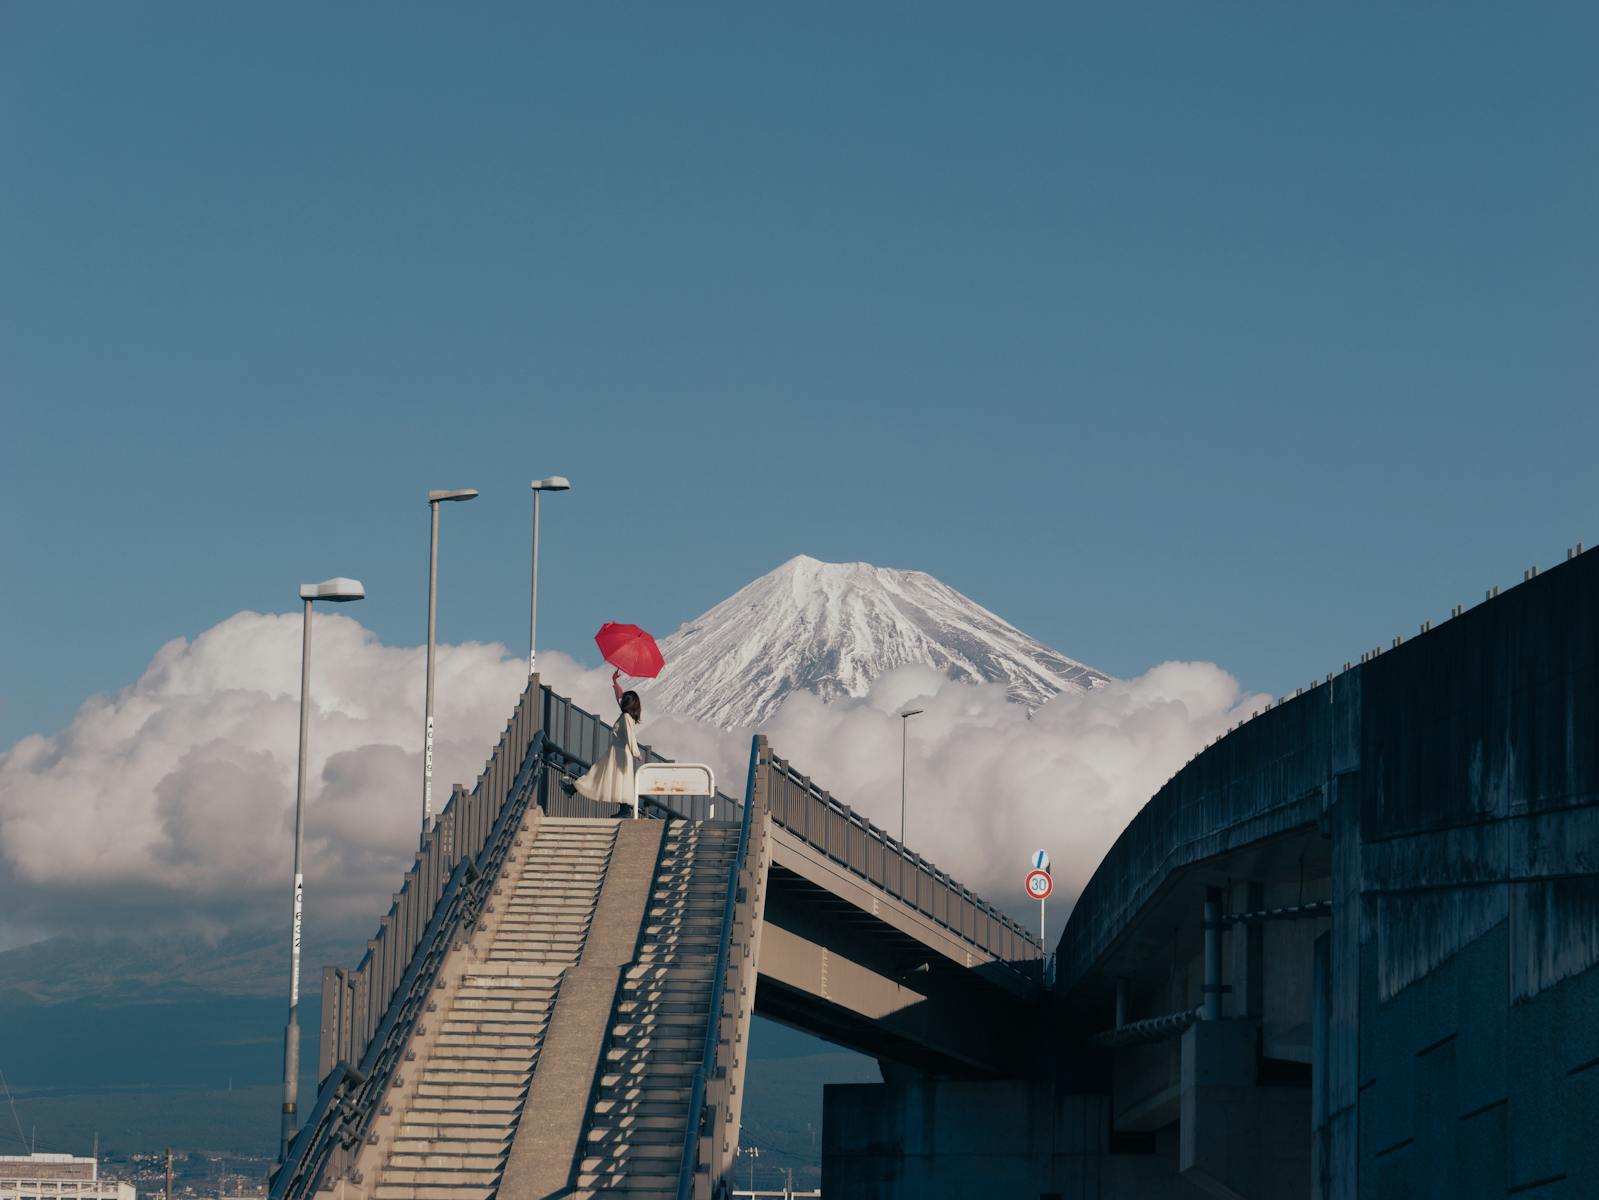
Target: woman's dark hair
<point>626,696</point>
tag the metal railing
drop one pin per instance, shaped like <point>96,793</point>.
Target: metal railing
<point>823,823</point>
<point>582,737</point>
<point>699,1113</point>
<point>354,1001</point>
<point>349,1097</point>
<point>849,839</point>
<point>368,1011</point>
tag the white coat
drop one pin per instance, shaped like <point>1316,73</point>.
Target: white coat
<point>611,780</point>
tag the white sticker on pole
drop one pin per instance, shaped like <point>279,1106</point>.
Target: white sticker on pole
<point>1039,884</point>
<point>1040,860</point>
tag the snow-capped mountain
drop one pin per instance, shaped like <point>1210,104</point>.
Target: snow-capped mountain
<point>833,628</point>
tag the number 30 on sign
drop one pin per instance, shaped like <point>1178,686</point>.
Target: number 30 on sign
<point>1039,884</point>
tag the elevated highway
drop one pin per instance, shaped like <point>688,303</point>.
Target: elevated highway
<point>1350,950</point>
<point>558,1003</point>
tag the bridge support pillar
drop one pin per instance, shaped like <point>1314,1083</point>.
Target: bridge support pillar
<point>1210,1007</point>
<point>1247,951</point>
<point>1221,1095</point>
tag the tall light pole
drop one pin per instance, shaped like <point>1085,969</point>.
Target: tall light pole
<point>904,723</point>
<point>555,483</point>
<point>335,591</point>
<point>435,498</point>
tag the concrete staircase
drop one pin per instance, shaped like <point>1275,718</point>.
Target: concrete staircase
<point>453,1130</point>
<point>638,1117</point>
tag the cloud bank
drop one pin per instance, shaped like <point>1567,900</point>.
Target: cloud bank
<point>170,805</point>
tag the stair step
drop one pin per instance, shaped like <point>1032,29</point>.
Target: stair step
<point>480,1027</point>
<point>450,1154</point>
<point>602,1139</point>
<point>646,1043</point>
<point>616,1122</point>
<point>433,1131</point>
<point>426,1191</point>
<point>485,1177</point>
<point>614,1178</point>
<point>455,1090</point>
<point>608,1109</point>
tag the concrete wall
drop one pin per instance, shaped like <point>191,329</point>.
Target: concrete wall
<point>1002,1139</point>
<point>1463,1095</point>
<point>1446,793</point>
<point>1462,991</point>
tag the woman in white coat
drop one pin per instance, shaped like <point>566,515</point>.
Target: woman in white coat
<point>611,779</point>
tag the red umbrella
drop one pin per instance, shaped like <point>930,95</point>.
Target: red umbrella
<point>628,648</point>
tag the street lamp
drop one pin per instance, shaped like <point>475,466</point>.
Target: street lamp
<point>435,498</point>
<point>335,591</point>
<point>904,723</point>
<point>555,483</point>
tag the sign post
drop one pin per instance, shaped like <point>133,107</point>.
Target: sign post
<point>1039,886</point>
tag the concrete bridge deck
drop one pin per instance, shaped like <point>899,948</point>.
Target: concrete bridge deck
<point>558,1003</point>
<point>1350,950</point>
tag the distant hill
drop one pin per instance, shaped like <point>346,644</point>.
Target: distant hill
<point>144,970</point>
<point>172,1041</point>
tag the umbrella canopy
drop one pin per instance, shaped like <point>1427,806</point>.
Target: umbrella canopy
<point>628,648</point>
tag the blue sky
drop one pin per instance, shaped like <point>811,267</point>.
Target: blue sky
<point>1162,330</point>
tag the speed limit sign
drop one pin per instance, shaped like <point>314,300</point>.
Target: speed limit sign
<point>1039,884</point>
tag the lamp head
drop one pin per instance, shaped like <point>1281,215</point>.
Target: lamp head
<point>911,712</point>
<point>336,590</point>
<point>555,483</point>
<point>452,494</point>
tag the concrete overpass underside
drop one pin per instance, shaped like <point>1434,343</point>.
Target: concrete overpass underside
<point>1350,951</point>
<point>887,983</point>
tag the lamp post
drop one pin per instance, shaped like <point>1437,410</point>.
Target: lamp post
<point>904,723</point>
<point>555,483</point>
<point>435,498</point>
<point>335,591</point>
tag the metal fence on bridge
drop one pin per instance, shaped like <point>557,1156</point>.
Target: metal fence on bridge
<point>355,999</point>
<point>849,839</point>
<point>821,822</point>
<point>583,737</point>
<point>365,1016</point>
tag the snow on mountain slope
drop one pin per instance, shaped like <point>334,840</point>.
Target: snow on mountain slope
<point>831,629</point>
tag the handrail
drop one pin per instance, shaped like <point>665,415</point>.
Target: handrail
<point>355,999</point>
<point>713,1019</point>
<point>598,734</point>
<point>1023,939</point>
<point>580,734</point>
<point>346,1123</point>
<point>369,1010</point>
<point>326,1116</point>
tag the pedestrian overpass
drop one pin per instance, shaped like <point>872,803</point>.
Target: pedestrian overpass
<point>558,1003</point>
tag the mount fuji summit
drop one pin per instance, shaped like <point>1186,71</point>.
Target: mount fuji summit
<point>832,629</point>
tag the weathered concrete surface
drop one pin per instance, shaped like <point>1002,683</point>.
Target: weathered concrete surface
<point>882,992</point>
<point>1432,1030</point>
<point>544,1151</point>
<point>999,1139</point>
<point>1222,1098</point>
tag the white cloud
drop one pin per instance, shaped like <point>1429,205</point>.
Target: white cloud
<point>987,781</point>
<point>171,803</point>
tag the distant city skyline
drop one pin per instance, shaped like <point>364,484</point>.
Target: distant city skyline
<point>1159,335</point>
